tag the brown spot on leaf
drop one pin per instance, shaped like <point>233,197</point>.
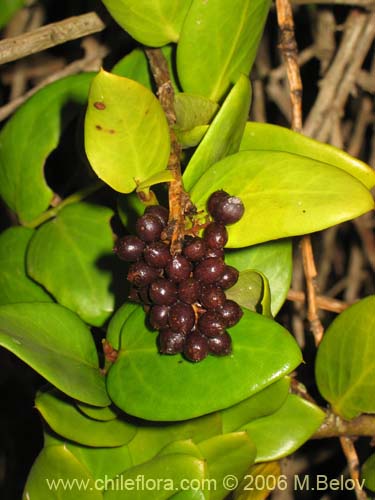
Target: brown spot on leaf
<point>112,131</point>
<point>99,105</point>
<point>98,127</point>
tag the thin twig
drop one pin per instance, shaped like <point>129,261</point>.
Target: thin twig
<point>48,36</point>
<point>178,198</point>
<point>369,4</point>
<point>91,61</point>
<point>353,464</point>
<point>335,426</point>
<point>322,301</point>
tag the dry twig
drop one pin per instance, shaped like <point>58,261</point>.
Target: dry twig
<point>353,464</point>
<point>48,36</point>
<point>322,301</point>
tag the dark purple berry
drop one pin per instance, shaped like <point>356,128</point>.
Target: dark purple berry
<point>220,345</point>
<point>149,228</point>
<point>178,268</point>
<point>163,292</point>
<point>158,317</point>
<point>181,317</point>
<point>209,270</point>
<point>229,210</point>
<point>231,312</point>
<point>196,347</point>
<point>189,290</point>
<point>194,249</point>
<point>229,278</point>
<point>140,274</point>
<point>211,323</point>
<point>129,248</point>
<point>212,297</point>
<point>214,253</point>
<point>215,235</point>
<point>160,212</point>
<point>170,342</point>
<point>157,254</point>
<point>214,199</point>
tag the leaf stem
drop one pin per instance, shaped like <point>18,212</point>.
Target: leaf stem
<point>179,201</point>
<point>73,198</point>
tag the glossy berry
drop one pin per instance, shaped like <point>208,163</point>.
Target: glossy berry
<point>211,323</point>
<point>215,199</point>
<point>194,249</point>
<point>220,345</point>
<point>189,290</point>
<point>149,228</point>
<point>178,268</point>
<point>158,317</point>
<point>129,248</point>
<point>170,342</point>
<point>215,235</point>
<point>141,274</point>
<point>231,312</point>
<point>214,253</point>
<point>229,210</point>
<point>157,254</point>
<point>212,297</point>
<point>160,212</point>
<point>229,278</point>
<point>196,347</point>
<point>209,270</point>
<point>181,317</point>
<point>163,292</point>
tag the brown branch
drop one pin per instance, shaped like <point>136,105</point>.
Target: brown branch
<point>335,426</point>
<point>178,198</point>
<point>350,453</point>
<point>369,4</point>
<point>322,302</point>
<point>48,36</point>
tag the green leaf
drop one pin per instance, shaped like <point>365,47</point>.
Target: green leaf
<point>57,463</point>
<point>190,138</point>
<point>129,208</point>
<point>56,344</point>
<point>22,183</point>
<point>252,291</point>
<point>218,44</point>
<point>8,9</point>
<point>64,417</point>
<point>71,256</point>
<point>274,260</point>
<point>117,322</point>
<point>227,455</point>
<point>345,363</point>
<point>274,138</point>
<point>261,404</point>
<point>182,447</point>
<point>189,495</point>
<point>368,472</point>
<point>279,434</point>
<point>16,286</point>
<point>224,134</point>
<point>126,132</point>
<point>102,414</point>
<point>148,385</point>
<point>192,110</point>
<point>169,472</point>
<point>135,67</point>
<point>307,196</point>
<point>150,22</point>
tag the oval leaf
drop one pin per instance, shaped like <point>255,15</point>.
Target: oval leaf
<point>16,286</point>
<point>252,291</point>
<point>281,433</point>
<point>117,322</point>
<point>217,44</point>
<point>307,196</point>
<point>150,22</point>
<point>274,138</point>
<point>102,414</point>
<point>224,134</point>
<point>193,110</point>
<point>274,260</point>
<point>146,384</point>
<point>126,132</point>
<point>23,154</point>
<point>71,256</point>
<point>55,464</point>
<point>345,364</point>
<point>56,344</point>
<point>65,419</point>
<point>368,473</point>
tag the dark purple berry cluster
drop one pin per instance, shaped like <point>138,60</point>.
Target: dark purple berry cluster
<point>185,294</point>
